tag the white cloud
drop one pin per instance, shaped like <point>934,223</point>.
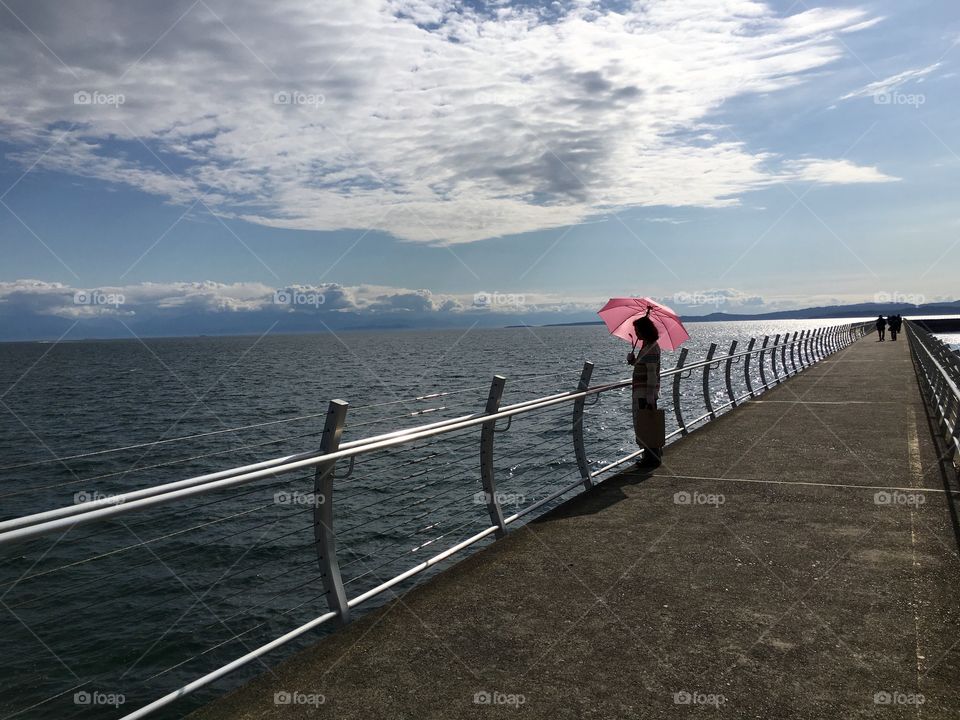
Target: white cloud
<point>45,298</point>
<point>834,172</point>
<point>421,118</point>
<point>148,299</point>
<point>892,83</point>
<point>865,25</point>
<point>666,220</point>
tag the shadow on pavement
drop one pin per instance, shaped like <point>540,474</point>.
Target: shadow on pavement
<point>599,497</point>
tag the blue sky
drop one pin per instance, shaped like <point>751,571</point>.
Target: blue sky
<point>393,160</point>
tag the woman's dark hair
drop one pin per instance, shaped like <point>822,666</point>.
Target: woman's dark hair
<point>646,330</point>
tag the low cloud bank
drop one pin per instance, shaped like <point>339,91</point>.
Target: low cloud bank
<point>37,309</point>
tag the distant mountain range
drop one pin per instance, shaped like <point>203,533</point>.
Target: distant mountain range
<point>826,311</point>
<point>840,311</point>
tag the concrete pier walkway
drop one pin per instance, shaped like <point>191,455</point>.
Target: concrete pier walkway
<point>797,558</point>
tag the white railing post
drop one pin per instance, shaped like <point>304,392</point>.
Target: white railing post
<point>676,391</point>
<point>324,536</point>
<point>746,366</point>
<point>579,448</point>
<point>773,358</point>
<point>727,374</point>
<point>805,349</point>
<point>487,432</point>
<point>794,352</point>
<point>707,401</point>
<point>763,351</point>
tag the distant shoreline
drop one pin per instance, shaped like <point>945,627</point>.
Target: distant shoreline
<point>840,313</point>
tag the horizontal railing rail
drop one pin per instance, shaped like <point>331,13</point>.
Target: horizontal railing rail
<point>745,374</point>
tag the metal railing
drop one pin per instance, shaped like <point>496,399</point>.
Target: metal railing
<point>938,369</point>
<point>382,487</point>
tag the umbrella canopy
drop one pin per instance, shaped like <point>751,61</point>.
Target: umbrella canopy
<point>619,314</point>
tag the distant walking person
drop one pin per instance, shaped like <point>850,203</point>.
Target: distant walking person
<point>881,326</point>
<point>646,388</point>
<point>895,322</point>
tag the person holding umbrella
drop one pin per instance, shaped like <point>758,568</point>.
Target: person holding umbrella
<point>652,326</point>
<point>646,383</point>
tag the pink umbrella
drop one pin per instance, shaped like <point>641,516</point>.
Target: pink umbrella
<point>619,314</point>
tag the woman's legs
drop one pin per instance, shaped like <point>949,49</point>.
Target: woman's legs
<point>636,405</point>
<point>652,457</point>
